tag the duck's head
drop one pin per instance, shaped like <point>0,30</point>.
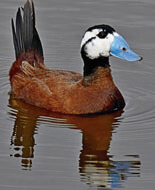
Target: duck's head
<point>101,41</point>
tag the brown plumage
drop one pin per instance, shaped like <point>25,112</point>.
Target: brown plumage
<point>55,90</point>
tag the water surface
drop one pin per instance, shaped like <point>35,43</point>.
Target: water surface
<point>42,150</point>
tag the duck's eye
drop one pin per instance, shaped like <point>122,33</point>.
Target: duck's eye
<point>102,34</point>
<point>124,49</point>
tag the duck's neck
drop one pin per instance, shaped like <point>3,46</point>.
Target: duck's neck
<point>90,65</point>
<point>97,72</point>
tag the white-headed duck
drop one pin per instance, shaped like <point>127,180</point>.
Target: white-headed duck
<point>66,91</point>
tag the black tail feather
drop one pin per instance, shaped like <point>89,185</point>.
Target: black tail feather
<point>28,25</point>
<point>15,41</point>
<point>37,43</point>
<point>20,41</point>
<point>25,36</point>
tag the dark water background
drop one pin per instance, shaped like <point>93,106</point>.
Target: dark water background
<point>48,151</point>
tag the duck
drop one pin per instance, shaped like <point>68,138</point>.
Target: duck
<point>62,91</point>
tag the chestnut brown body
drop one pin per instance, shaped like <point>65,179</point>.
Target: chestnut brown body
<point>65,91</point>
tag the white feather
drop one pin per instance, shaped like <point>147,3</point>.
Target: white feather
<point>116,34</point>
<point>97,47</point>
<point>89,34</point>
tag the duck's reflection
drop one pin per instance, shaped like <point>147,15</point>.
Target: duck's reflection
<point>22,139</point>
<point>95,165</point>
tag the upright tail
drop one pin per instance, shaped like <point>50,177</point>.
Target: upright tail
<point>25,35</point>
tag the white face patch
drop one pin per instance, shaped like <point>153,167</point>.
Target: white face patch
<point>98,46</point>
<point>90,34</point>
